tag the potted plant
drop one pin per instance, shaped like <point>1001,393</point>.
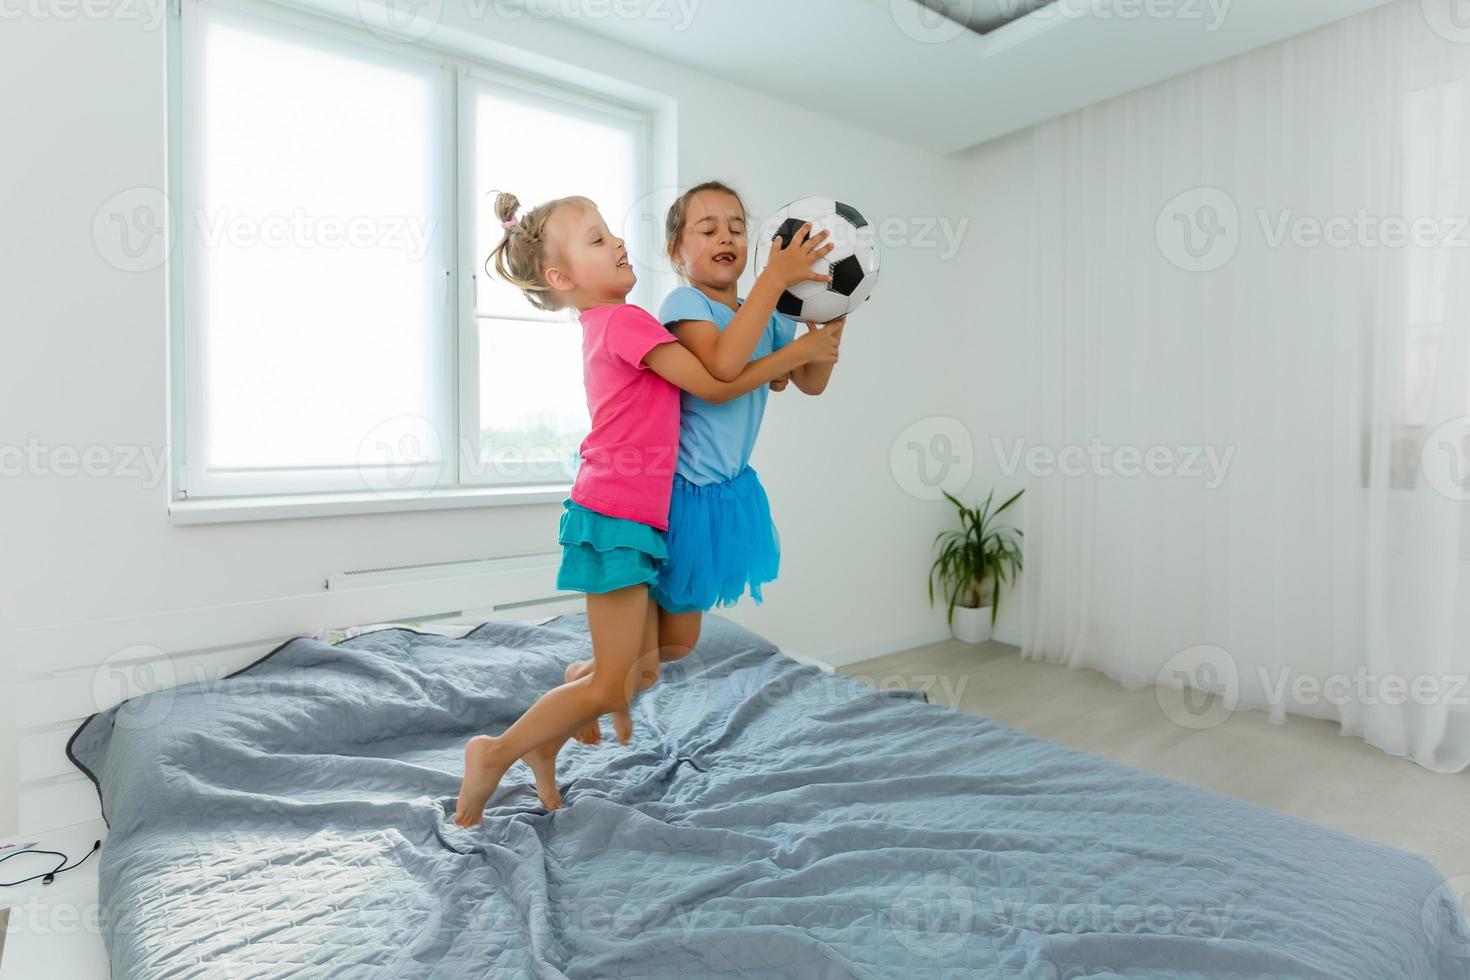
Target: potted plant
<point>973,563</point>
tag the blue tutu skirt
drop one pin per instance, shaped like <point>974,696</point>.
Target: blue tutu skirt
<point>721,541</point>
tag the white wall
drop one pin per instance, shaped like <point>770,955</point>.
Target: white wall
<point>1010,255</point>
<point>85,363</point>
<point>1000,258</point>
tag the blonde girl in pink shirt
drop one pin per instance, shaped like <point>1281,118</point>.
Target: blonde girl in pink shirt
<point>562,255</point>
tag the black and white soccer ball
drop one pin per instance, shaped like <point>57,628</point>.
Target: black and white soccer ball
<point>852,263</point>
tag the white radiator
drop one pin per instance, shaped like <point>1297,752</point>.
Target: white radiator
<point>435,571</point>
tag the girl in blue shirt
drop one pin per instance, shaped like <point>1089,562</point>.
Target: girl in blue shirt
<point>721,538</point>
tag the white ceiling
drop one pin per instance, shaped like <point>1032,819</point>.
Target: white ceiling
<point>897,68</point>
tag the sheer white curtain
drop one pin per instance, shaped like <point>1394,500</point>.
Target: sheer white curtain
<point>1251,363</point>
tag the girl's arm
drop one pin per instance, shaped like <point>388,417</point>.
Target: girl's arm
<point>679,367</point>
<point>811,378</point>
<point>725,353</point>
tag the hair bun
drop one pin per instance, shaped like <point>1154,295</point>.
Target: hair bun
<point>506,206</point>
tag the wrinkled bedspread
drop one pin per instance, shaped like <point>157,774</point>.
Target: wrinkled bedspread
<point>769,820</point>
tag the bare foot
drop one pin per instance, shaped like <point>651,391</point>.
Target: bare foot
<point>481,775</point>
<point>590,733</point>
<point>542,761</point>
<point>623,726</point>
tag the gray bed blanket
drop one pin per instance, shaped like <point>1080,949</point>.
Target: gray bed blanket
<point>769,820</point>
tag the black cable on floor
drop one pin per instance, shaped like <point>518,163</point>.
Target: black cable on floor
<point>47,877</point>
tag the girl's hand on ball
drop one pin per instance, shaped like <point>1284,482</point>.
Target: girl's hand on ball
<point>835,326</point>
<point>820,345</point>
<point>792,261</point>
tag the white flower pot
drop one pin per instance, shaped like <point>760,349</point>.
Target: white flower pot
<point>972,625</point>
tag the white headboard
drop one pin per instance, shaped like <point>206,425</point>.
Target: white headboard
<point>68,672</point>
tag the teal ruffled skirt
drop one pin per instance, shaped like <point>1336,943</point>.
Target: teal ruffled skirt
<point>603,554</point>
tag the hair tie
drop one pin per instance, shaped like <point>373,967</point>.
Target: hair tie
<point>509,223</point>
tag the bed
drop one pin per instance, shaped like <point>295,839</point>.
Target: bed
<point>769,820</point>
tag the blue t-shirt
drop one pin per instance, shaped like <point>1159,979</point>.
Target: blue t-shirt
<point>715,441</point>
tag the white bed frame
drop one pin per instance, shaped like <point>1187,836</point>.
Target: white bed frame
<point>70,671</point>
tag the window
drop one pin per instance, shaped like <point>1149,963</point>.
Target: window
<point>336,332</point>
<point>532,413</point>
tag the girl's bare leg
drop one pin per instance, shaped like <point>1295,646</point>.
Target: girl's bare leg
<point>645,677</point>
<point>625,660</point>
<point>677,635</point>
<point>591,733</point>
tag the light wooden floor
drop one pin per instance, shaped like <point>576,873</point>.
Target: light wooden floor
<point>1303,767</point>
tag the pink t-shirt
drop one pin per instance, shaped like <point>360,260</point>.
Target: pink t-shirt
<point>629,455</point>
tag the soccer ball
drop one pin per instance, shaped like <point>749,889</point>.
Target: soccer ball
<point>852,263</point>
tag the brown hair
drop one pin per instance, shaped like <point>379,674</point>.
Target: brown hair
<point>521,257</point>
<point>679,215</point>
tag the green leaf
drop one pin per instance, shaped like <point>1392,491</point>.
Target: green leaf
<point>981,552</point>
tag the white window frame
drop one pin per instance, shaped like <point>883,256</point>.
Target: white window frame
<point>196,496</point>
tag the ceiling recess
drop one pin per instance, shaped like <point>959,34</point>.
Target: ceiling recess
<point>985,16</point>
